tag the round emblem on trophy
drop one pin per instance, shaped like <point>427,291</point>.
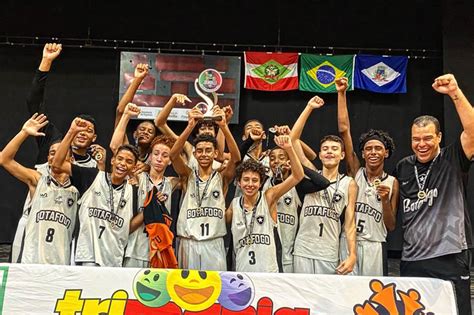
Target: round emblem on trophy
<point>210,80</point>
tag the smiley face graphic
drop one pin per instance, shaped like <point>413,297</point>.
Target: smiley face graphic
<point>237,292</point>
<point>194,290</point>
<point>149,287</point>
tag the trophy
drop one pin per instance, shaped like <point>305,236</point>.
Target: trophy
<point>209,81</point>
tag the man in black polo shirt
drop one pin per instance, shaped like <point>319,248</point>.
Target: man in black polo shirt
<point>436,223</point>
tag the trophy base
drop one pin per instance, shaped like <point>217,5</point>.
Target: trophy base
<point>212,118</point>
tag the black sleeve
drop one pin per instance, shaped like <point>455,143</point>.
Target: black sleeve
<point>35,104</point>
<point>312,182</point>
<point>455,154</point>
<point>245,146</point>
<point>82,177</point>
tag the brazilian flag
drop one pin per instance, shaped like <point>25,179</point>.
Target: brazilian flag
<point>319,73</point>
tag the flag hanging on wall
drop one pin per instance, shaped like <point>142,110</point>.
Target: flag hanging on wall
<point>271,71</point>
<point>381,74</point>
<point>318,73</point>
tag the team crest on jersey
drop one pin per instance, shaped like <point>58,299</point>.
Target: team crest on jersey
<point>123,203</point>
<point>58,200</point>
<point>337,197</point>
<point>287,200</point>
<point>70,202</point>
<point>216,194</point>
<point>260,219</point>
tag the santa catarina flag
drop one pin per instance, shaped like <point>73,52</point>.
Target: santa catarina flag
<point>319,73</point>
<point>271,71</point>
<point>381,74</point>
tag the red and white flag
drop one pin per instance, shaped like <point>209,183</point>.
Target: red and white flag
<point>268,71</point>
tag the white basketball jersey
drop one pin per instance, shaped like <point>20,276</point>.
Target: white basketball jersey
<point>252,232</point>
<point>138,245</point>
<point>87,162</point>
<point>50,224</point>
<point>104,231</point>
<point>287,208</point>
<point>368,211</point>
<point>207,220</point>
<point>320,225</point>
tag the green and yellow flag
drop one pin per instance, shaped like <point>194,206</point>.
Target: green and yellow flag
<point>319,73</point>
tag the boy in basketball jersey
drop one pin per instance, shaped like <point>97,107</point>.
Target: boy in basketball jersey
<point>317,241</point>
<point>201,222</point>
<point>106,204</point>
<point>288,204</point>
<point>254,214</point>
<point>36,104</point>
<point>137,251</point>
<point>53,205</point>
<point>146,131</point>
<point>377,198</point>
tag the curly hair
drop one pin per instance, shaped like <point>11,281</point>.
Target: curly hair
<point>380,135</point>
<point>252,166</point>
<point>162,139</point>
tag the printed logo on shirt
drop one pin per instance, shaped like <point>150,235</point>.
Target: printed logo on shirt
<point>123,203</point>
<point>260,219</point>
<point>58,200</point>
<point>287,200</point>
<point>415,205</point>
<point>97,193</point>
<point>44,195</point>
<point>215,194</point>
<point>70,202</point>
<point>337,197</point>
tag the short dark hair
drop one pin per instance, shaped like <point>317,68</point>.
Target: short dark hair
<point>205,138</point>
<point>425,120</point>
<point>149,122</point>
<point>250,120</point>
<point>332,138</point>
<point>253,166</point>
<point>130,148</point>
<point>204,122</point>
<point>90,119</point>
<point>376,134</point>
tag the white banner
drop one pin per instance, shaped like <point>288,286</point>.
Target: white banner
<point>69,290</point>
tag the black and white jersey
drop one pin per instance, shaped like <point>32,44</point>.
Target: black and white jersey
<point>84,161</point>
<point>50,224</point>
<point>202,211</point>
<point>368,210</point>
<point>437,224</point>
<point>253,236</point>
<point>104,228</point>
<point>138,244</point>
<point>287,210</point>
<point>320,221</point>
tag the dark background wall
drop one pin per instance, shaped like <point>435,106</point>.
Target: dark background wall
<point>86,80</point>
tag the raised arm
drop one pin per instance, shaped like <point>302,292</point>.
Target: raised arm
<point>24,174</point>
<point>389,204</point>
<point>229,172</point>
<point>314,103</point>
<point>297,174</point>
<point>141,71</point>
<point>346,266</point>
<point>221,138</point>
<point>344,126</point>
<point>175,154</point>
<point>447,84</point>
<point>131,110</point>
<point>162,118</point>
<point>60,161</point>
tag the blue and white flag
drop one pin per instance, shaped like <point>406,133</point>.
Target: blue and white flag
<point>381,74</point>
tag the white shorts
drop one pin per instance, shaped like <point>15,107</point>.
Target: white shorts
<point>314,266</point>
<point>288,268</point>
<point>369,257</point>
<point>18,240</point>
<point>202,255</point>
<point>135,263</point>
